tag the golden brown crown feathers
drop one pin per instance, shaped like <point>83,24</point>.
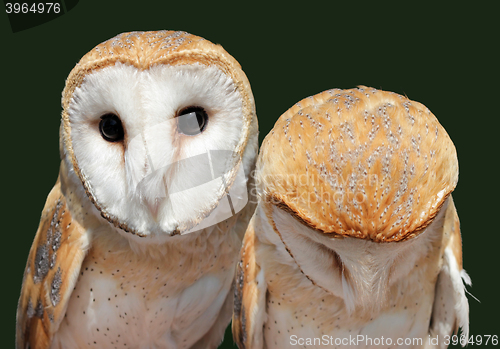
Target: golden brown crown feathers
<point>362,162</point>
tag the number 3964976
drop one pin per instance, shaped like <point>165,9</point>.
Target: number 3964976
<point>41,7</point>
<point>472,340</point>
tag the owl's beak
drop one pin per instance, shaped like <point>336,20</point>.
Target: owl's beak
<point>152,192</point>
<point>153,207</point>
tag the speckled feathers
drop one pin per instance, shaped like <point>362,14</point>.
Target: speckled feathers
<point>51,272</point>
<point>135,247</point>
<point>355,233</point>
<point>379,168</point>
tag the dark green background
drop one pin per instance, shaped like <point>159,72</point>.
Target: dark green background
<point>444,57</point>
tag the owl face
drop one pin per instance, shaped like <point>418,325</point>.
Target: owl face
<point>156,137</point>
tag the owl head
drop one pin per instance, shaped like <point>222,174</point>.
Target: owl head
<point>159,127</point>
<point>355,183</point>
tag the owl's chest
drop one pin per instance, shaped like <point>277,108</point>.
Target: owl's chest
<point>319,328</point>
<point>126,299</point>
<point>317,320</point>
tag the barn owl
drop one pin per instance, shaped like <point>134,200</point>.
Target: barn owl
<point>139,238</point>
<point>355,238</point>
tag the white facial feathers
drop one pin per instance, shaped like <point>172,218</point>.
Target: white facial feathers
<point>147,180</point>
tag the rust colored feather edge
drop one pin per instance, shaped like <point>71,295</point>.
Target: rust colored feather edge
<point>246,291</point>
<point>51,271</point>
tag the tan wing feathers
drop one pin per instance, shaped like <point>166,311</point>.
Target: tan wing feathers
<point>455,245</point>
<point>248,292</point>
<point>452,238</point>
<point>456,238</point>
<point>451,310</point>
<point>51,272</point>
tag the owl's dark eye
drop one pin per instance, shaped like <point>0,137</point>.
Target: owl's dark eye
<point>111,128</point>
<point>192,120</point>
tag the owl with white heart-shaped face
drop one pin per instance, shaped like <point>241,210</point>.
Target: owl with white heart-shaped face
<point>139,238</point>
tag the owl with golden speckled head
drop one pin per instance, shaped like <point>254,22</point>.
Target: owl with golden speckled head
<point>355,236</point>
<point>139,238</point>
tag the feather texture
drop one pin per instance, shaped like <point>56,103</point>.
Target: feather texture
<point>138,242</point>
<point>51,272</point>
<point>250,294</point>
<point>451,308</point>
<point>355,234</point>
